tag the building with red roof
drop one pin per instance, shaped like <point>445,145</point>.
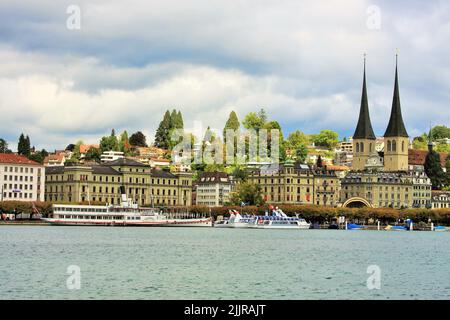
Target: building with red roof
<point>21,179</point>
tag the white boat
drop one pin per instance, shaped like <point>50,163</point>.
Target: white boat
<point>127,214</point>
<point>238,221</point>
<point>279,220</point>
<point>264,222</point>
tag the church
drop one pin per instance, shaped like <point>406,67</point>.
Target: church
<point>383,179</point>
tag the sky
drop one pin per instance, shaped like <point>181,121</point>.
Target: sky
<point>123,63</point>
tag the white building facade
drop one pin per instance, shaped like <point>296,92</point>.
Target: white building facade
<point>21,179</point>
<point>213,189</point>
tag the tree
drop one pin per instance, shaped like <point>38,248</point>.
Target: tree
<point>93,154</point>
<point>76,151</point>
<point>301,153</point>
<point>248,193</point>
<point>420,142</point>
<point>297,139</point>
<point>70,147</point>
<point>273,125</point>
<point>4,146</point>
<point>231,124</point>
<point>109,143</point>
<point>240,174</point>
<point>254,120</point>
<point>23,147</point>
<point>39,156</point>
<point>443,147</point>
<point>162,136</point>
<point>447,169</point>
<point>124,143</point>
<point>326,138</point>
<point>434,170</point>
<point>138,139</point>
<point>440,132</point>
<point>176,120</point>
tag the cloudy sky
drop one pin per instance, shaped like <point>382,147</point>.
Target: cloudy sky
<point>301,60</point>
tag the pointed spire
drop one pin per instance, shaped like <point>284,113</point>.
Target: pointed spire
<point>364,127</point>
<point>430,140</point>
<point>396,127</point>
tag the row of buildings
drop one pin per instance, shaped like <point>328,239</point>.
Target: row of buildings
<point>371,172</point>
<point>385,172</point>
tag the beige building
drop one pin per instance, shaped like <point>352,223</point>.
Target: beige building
<point>21,179</point>
<point>440,200</point>
<point>294,183</point>
<point>213,189</point>
<point>100,183</point>
<point>386,189</point>
<point>378,190</point>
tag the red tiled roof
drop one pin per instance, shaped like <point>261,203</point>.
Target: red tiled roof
<point>85,147</point>
<point>417,157</point>
<point>12,158</point>
<point>58,157</point>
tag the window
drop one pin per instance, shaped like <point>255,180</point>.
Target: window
<point>389,145</point>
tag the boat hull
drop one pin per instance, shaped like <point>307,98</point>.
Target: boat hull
<point>122,223</point>
<point>279,227</point>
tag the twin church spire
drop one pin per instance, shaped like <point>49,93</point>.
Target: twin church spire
<point>396,126</point>
<point>364,128</point>
<point>396,139</point>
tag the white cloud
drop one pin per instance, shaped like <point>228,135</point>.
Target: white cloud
<point>131,61</point>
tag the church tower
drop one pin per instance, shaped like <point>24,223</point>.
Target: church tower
<point>396,140</point>
<point>363,138</point>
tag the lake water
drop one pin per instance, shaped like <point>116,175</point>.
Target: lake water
<point>208,263</point>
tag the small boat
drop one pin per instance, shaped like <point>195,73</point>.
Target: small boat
<point>354,226</point>
<point>440,228</point>
<point>395,228</point>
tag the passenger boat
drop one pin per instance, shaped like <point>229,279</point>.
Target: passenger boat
<point>236,220</point>
<point>270,222</point>
<point>127,214</point>
<point>279,220</point>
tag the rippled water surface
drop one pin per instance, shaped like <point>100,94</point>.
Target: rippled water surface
<point>208,263</point>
